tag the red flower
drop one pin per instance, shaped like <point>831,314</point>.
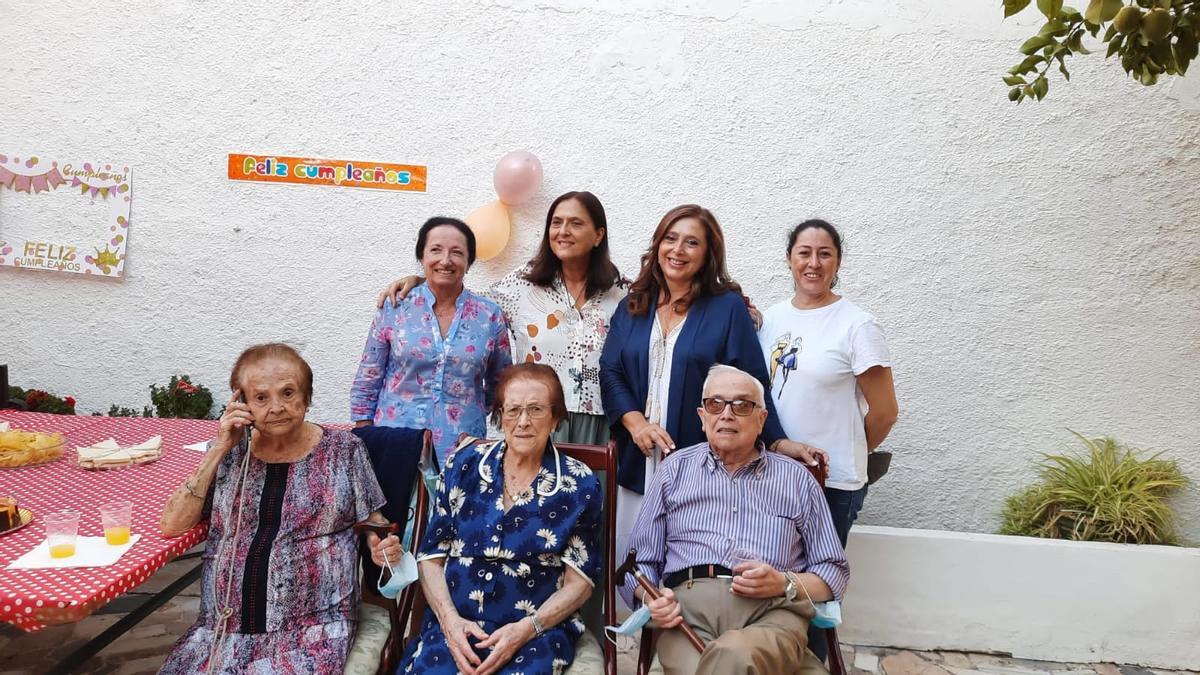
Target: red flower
<point>185,386</point>
<point>70,401</point>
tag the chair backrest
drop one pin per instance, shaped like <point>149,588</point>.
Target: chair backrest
<point>836,665</point>
<point>601,610</point>
<point>396,455</point>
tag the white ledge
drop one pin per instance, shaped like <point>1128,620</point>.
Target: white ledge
<point>1033,598</point>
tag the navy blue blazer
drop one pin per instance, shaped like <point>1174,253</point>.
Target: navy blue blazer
<point>718,330</point>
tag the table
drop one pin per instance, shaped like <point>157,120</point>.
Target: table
<point>33,599</point>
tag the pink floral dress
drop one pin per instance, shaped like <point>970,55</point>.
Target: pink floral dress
<point>294,560</point>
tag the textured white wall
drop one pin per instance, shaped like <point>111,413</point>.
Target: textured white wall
<point>1036,267</point>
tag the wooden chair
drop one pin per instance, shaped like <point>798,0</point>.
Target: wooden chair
<point>602,460</point>
<point>837,665</point>
<point>397,459</point>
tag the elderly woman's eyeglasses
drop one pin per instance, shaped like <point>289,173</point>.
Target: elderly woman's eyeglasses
<point>535,411</point>
<point>716,406</point>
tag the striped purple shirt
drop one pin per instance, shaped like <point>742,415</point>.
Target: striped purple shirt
<point>696,513</point>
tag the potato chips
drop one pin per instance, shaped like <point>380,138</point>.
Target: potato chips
<point>24,448</point>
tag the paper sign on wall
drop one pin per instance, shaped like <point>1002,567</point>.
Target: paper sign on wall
<point>328,172</point>
<point>85,243</point>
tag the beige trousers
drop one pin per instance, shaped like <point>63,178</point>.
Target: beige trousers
<point>741,635</point>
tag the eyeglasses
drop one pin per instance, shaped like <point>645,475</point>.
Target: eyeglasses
<point>535,411</point>
<point>716,406</point>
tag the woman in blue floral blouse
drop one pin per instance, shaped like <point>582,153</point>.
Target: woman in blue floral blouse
<point>432,360</point>
<point>512,551</point>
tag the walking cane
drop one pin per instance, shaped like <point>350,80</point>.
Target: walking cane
<point>649,591</point>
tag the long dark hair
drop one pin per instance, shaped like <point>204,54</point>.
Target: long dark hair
<point>712,279</point>
<point>545,267</point>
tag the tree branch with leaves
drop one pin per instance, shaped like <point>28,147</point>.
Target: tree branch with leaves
<point>1152,37</point>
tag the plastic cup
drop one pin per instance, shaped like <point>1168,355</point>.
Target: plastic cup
<point>61,529</point>
<point>116,517</point>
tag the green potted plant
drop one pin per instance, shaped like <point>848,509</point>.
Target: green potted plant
<point>1109,493</point>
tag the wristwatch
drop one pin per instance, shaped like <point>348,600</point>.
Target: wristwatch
<point>538,628</point>
<point>790,590</point>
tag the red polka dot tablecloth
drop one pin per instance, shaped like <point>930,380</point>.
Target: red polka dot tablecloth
<point>33,599</point>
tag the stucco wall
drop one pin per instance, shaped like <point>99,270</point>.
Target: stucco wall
<point>1036,267</point>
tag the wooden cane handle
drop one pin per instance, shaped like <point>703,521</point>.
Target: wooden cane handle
<point>651,592</point>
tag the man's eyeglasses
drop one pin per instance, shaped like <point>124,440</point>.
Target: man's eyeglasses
<point>716,406</point>
<point>535,411</point>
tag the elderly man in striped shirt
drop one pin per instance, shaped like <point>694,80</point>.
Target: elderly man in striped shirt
<point>740,541</point>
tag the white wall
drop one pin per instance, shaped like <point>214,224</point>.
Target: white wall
<point>1034,598</point>
<point>1036,267</point>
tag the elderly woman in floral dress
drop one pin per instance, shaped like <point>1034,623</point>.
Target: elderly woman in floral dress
<point>512,550</point>
<point>280,590</point>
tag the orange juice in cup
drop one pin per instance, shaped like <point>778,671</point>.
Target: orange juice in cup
<point>61,529</point>
<point>62,550</point>
<point>115,536</point>
<point>116,518</point>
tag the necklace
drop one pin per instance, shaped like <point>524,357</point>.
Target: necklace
<point>576,298</point>
<point>525,492</point>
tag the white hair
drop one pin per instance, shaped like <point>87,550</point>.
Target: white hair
<point>721,368</point>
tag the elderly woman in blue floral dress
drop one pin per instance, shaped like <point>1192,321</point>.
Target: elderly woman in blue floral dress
<point>512,550</point>
<point>431,360</point>
<point>280,590</point>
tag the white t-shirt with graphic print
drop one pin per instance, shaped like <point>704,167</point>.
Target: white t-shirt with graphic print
<point>813,357</point>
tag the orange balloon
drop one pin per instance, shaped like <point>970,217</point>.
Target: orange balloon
<point>492,227</point>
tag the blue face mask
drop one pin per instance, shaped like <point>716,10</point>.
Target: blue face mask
<point>631,625</point>
<point>829,614</point>
<point>404,572</point>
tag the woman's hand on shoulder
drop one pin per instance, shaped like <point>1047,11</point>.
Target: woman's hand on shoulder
<point>398,290</point>
<point>457,631</point>
<point>800,451</point>
<point>504,642</point>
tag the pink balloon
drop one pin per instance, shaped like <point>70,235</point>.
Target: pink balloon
<point>518,177</point>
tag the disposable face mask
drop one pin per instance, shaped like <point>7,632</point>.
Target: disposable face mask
<point>631,625</point>
<point>829,614</point>
<point>404,572</point>
<point>431,480</point>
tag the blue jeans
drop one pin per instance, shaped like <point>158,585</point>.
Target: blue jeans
<point>844,506</point>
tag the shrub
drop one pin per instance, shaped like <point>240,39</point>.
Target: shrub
<point>115,411</point>
<point>37,400</point>
<point>180,398</point>
<point>1109,494</point>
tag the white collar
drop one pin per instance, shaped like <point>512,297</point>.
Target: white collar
<point>487,455</point>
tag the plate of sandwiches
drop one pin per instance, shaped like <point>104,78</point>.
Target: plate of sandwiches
<point>109,454</point>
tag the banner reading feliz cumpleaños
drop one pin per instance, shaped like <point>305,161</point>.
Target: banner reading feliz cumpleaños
<point>91,180</point>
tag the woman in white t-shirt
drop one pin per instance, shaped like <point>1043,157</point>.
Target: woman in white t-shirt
<point>830,370</point>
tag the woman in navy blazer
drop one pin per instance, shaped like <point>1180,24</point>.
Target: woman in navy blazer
<point>682,315</point>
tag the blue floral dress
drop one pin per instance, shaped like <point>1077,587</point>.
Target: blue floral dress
<point>502,566</point>
<point>410,376</point>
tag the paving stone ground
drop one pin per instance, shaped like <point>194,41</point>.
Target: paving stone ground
<point>142,650</point>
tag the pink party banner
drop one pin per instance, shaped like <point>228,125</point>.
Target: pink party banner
<point>108,183</point>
